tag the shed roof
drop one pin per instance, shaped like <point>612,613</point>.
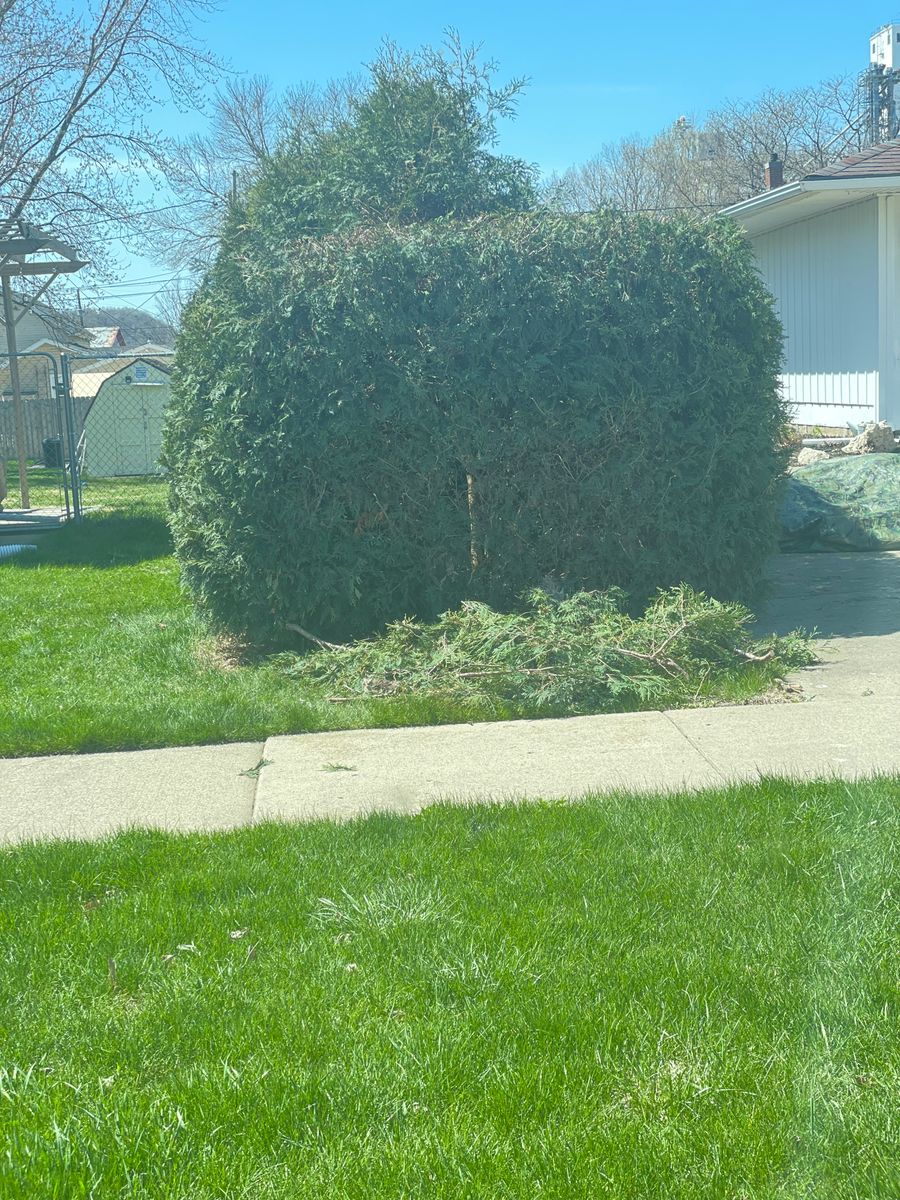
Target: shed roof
<point>87,381</point>
<point>152,348</point>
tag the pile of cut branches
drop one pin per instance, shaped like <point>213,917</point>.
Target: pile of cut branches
<point>580,654</point>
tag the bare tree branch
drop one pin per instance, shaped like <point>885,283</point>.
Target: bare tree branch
<point>699,168</point>
<point>249,122</point>
<point>77,91</point>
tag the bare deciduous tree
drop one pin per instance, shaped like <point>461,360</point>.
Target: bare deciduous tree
<point>807,128</point>
<point>662,174</point>
<point>77,90</point>
<point>171,303</point>
<point>249,121</point>
<point>361,137</point>
<point>701,168</point>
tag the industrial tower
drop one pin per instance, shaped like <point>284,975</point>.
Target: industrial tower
<point>880,82</point>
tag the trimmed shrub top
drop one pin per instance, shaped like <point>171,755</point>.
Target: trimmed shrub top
<point>400,419</point>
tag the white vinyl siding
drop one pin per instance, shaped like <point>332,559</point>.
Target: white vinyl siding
<point>823,273</point>
<point>34,327</point>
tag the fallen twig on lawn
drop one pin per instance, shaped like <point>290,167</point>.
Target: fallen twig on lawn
<point>312,637</point>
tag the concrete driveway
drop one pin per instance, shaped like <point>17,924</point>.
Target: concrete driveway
<point>853,601</point>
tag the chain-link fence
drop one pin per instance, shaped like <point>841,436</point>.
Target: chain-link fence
<point>88,432</point>
<point>119,403</point>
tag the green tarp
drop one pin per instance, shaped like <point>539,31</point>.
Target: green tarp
<point>847,503</point>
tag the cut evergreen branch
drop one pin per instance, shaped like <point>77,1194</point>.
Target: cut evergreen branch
<point>580,654</point>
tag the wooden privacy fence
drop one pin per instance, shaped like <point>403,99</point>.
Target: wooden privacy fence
<point>42,420</point>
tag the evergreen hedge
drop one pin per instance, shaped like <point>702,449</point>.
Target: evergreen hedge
<point>396,420</point>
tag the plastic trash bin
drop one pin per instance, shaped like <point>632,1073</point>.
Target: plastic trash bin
<point>53,452</point>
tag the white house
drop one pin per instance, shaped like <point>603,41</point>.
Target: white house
<point>828,247</point>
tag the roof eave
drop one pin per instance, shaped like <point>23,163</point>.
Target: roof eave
<point>763,200</point>
<point>758,214</point>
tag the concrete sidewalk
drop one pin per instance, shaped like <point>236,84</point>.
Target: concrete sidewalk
<point>341,775</point>
<point>847,726</point>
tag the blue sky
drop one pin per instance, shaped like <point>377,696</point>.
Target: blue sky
<point>597,71</point>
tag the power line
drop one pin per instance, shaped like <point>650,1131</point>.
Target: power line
<point>149,212</point>
<point>160,282</point>
<point>153,297</point>
<point>126,301</point>
<point>131,283</point>
<point>111,291</point>
<point>106,313</point>
<point>92,299</point>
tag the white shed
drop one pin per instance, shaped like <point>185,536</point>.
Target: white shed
<point>123,425</point>
<point>828,247</point>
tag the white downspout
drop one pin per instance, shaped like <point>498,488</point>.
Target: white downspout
<point>888,393</point>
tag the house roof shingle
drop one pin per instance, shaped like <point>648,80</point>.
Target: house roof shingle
<point>104,337</point>
<point>872,163</point>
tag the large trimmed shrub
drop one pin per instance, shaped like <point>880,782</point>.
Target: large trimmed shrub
<point>393,421</point>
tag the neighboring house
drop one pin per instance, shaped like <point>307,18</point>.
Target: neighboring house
<point>40,331</point>
<point>105,337</point>
<point>123,401</point>
<point>42,328</point>
<point>42,324</point>
<point>828,248</point>
<point>44,334</point>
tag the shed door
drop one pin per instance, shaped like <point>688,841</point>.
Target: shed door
<point>131,434</point>
<point>154,401</point>
<point>139,418</point>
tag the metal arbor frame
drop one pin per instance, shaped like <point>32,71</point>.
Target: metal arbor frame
<point>16,249</point>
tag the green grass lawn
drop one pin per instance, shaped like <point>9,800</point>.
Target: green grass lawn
<point>631,997</point>
<point>46,489</point>
<point>101,650</point>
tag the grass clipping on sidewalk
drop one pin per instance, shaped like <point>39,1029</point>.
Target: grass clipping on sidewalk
<point>581,654</point>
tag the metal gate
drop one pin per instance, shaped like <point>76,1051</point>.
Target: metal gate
<point>38,439</point>
<point>85,437</point>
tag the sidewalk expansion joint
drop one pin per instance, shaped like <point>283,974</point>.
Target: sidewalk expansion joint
<point>690,741</point>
